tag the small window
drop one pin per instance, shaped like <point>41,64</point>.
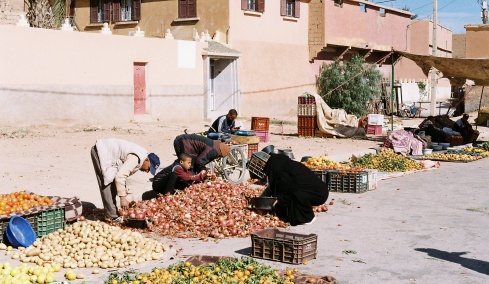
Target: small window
<point>253,5</point>
<point>126,10</point>
<point>290,8</point>
<point>363,8</point>
<point>187,9</point>
<point>382,12</point>
<point>338,3</point>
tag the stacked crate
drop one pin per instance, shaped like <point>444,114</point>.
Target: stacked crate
<point>306,116</point>
<point>374,124</point>
<point>261,125</point>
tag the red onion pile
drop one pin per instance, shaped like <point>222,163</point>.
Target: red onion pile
<point>214,209</point>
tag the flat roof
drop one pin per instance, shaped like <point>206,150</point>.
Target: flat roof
<point>367,3</point>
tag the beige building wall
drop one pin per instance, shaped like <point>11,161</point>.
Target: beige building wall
<point>274,65</point>
<point>90,77</point>
<point>158,16</point>
<point>458,45</point>
<point>10,11</point>
<point>477,41</point>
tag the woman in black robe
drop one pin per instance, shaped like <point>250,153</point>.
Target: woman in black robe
<point>296,188</point>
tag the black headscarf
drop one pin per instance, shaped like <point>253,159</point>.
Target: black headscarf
<point>296,187</point>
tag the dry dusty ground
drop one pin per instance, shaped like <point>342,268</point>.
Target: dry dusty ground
<point>411,230</point>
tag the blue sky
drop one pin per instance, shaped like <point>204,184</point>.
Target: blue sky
<point>453,14</point>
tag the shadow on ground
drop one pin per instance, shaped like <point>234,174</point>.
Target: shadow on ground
<point>245,251</point>
<point>455,257</point>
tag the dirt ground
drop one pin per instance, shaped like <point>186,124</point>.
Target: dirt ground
<point>412,229</point>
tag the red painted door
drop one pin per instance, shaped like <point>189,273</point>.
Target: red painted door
<point>139,88</point>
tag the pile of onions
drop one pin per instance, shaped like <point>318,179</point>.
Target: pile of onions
<point>92,244</point>
<point>216,209</point>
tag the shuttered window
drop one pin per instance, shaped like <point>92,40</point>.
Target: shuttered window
<point>290,8</point>
<point>253,5</point>
<point>187,9</point>
<point>114,11</point>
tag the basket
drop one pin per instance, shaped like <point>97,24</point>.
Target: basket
<point>252,148</point>
<point>50,221</point>
<point>273,244</point>
<point>260,123</point>
<point>348,181</point>
<point>136,223</point>
<point>20,233</point>
<point>256,164</point>
<point>306,126</point>
<point>263,135</point>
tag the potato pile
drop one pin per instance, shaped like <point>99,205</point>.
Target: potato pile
<point>92,244</point>
<point>386,161</point>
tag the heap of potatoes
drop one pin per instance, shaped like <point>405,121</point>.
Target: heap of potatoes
<point>92,244</point>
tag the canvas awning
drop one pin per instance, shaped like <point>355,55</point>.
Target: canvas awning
<point>457,70</point>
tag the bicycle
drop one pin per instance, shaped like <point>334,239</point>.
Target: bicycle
<point>232,167</point>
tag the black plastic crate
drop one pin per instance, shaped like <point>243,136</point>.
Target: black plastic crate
<point>273,244</point>
<point>348,181</point>
<point>321,174</point>
<point>256,164</point>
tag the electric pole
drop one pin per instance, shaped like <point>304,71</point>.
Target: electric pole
<point>484,12</point>
<point>433,70</point>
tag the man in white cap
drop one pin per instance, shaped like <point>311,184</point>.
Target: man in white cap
<point>114,160</point>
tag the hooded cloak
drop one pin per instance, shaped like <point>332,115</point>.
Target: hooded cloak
<point>296,187</point>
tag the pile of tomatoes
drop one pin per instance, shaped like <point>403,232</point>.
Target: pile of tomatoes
<point>21,200</point>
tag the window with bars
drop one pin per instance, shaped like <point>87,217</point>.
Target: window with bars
<point>187,9</point>
<point>253,5</point>
<point>290,8</point>
<point>105,11</point>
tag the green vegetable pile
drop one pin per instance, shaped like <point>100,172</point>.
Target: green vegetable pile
<point>386,161</point>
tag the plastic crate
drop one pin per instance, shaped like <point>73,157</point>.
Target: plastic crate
<point>260,123</point>
<point>306,110</point>
<point>321,174</point>
<point>50,221</point>
<point>306,126</point>
<point>252,148</point>
<point>306,99</point>
<point>374,129</point>
<point>263,135</point>
<point>273,244</point>
<point>375,119</point>
<point>348,181</point>
<point>32,219</point>
<point>455,140</point>
<point>256,164</point>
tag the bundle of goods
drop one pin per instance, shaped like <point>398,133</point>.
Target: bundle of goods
<point>323,163</point>
<point>92,244</point>
<point>216,209</point>
<point>386,161</point>
<point>452,156</point>
<point>209,269</point>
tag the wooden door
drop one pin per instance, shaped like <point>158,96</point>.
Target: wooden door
<point>139,88</point>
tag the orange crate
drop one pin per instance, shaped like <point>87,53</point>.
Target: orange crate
<point>252,148</point>
<point>260,123</point>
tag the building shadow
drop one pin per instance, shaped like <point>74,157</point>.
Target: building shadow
<point>456,257</point>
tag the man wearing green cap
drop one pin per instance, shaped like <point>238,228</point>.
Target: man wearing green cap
<point>114,160</point>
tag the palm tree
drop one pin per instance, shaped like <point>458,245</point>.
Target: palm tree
<point>47,14</point>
